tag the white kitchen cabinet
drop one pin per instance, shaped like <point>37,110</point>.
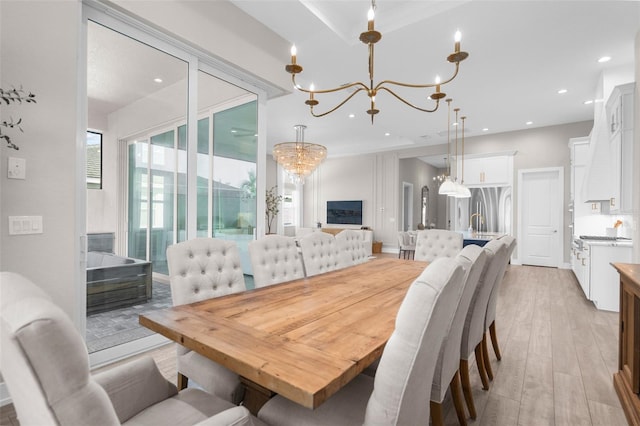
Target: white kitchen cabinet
<point>488,171</point>
<point>619,109</point>
<point>580,266</point>
<point>579,152</point>
<point>604,280</point>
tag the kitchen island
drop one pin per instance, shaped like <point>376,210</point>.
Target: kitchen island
<point>478,238</point>
<point>626,380</point>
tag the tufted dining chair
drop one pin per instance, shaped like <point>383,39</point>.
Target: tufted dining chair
<point>402,383</point>
<point>200,269</point>
<point>473,330</point>
<point>351,247</point>
<point>472,258</point>
<point>490,318</point>
<point>433,243</point>
<point>320,253</point>
<point>275,259</point>
<point>45,366</point>
<point>406,247</point>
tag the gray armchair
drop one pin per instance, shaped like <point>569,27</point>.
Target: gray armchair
<point>45,365</point>
<point>200,269</point>
<point>434,243</point>
<point>275,259</point>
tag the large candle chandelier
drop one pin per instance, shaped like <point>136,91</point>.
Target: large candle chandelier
<point>299,158</point>
<point>370,38</point>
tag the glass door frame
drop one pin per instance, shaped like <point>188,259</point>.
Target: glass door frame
<point>197,60</point>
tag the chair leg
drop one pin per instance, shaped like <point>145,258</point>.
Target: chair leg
<point>485,356</point>
<point>480,365</point>
<point>494,340</point>
<point>182,382</point>
<point>437,417</point>
<point>399,253</point>
<point>466,387</point>
<point>457,399</point>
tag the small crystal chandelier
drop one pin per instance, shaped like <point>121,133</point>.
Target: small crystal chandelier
<point>370,37</point>
<point>299,158</point>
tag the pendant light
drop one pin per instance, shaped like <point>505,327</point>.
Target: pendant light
<point>461,191</point>
<point>464,191</point>
<point>448,187</point>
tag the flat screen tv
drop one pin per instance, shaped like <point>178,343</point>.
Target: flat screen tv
<point>344,212</point>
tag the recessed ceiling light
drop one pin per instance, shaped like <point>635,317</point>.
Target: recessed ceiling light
<point>351,115</point>
<point>604,59</point>
<point>157,80</point>
<point>234,131</point>
<point>562,91</point>
<point>529,123</point>
<point>589,102</point>
<point>486,129</point>
<point>387,134</point>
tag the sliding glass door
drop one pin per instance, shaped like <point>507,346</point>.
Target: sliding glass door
<point>179,162</point>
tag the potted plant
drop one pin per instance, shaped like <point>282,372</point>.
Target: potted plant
<point>272,206</point>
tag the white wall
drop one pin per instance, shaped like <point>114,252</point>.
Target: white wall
<point>347,178</point>
<point>39,45</point>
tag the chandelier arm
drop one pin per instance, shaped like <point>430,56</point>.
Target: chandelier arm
<point>337,106</point>
<point>409,103</point>
<point>418,86</point>
<point>336,89</point>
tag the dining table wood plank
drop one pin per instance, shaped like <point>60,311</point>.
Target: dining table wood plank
<point>303,339</point>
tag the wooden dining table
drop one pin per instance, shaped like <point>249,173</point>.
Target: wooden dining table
<point>304,339</point>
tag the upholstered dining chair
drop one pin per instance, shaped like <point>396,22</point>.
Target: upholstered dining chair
<point>433,243</point>
<point>490,318</point>
<point>406,247</point>
<point>45,365</point>
<point>472,258</point>
<point>320,253</point>
<point>200,269</point>
<point>402,383</point>
<point>351,247</point>
<point>275,259</point>
<point>474,323</point>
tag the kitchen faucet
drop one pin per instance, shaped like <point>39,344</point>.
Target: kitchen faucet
<point>471,221</point>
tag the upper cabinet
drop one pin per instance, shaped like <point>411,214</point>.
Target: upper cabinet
<point>494,170</point>
<point>619,110</point>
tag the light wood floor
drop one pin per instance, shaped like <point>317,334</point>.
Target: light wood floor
<point>558,357</point>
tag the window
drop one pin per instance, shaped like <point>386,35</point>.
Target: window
<point>94,160</point>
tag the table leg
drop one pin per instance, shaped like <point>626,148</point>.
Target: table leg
<point>255,396</point>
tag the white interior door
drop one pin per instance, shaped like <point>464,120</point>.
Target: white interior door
<point>540,193</point>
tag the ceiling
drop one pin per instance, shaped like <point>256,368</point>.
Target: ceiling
<point>520,54</point>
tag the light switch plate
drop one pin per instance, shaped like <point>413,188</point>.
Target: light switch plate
<point>17,168</point>
<point>22,225</point>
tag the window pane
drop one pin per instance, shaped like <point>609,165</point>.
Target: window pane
<point>94,160</point>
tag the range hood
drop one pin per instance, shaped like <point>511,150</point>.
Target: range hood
<point>597,183</point>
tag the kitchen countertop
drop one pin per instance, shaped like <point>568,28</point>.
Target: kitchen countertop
<point>609,243</point>
<point>481,236</point>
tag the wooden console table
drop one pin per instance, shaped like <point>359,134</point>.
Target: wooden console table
<point>627,380</point>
